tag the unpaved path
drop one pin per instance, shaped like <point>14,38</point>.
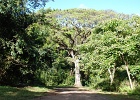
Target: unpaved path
<point>80,94</point>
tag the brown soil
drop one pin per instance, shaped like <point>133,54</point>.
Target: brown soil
<point>80,94</point>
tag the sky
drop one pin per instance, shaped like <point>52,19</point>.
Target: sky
<point>120,6</point>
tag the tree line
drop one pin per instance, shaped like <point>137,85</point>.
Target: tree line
<point>77,47</point>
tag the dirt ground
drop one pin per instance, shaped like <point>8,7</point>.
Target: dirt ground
<point>80,94</point>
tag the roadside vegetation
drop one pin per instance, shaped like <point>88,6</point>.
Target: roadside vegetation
<point>74,47</point>
<point>25,93</point>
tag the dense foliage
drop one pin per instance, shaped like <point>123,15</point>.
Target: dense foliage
<point>77,47</point>
<point>21,38</point>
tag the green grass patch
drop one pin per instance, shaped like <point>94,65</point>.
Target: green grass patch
<point>26,93</point>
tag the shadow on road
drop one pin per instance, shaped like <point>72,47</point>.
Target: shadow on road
<point>72,93</point>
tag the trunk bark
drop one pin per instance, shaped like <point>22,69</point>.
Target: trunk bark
<point>111,75</point>
<point>77,71</point>
<point>130,80</point>
<point>128,73</point>
<point>77,74</point>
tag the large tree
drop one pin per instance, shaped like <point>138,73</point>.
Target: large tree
<point>73,28</point>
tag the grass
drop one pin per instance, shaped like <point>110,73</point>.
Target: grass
<point>26,93</point>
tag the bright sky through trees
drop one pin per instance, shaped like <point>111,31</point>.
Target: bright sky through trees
<point>121,6</point>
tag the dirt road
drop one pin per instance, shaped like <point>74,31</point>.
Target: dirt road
<point>80,94</point>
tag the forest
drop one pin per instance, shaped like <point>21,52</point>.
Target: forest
<point>75,47</point>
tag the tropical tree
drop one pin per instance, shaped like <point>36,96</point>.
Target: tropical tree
<point>113,44</point>
<point>73,28</point>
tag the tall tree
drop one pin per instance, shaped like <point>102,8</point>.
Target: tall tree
<point>74,27</point>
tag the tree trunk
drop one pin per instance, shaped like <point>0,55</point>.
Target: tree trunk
<point>111,73</point>
<point>77,70</point>
<point>128,73</point>
<point>77,74</point>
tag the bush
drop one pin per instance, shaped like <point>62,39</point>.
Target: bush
<point>69,80</point>
<point>124,86</point>
<point>125,89</point>
<point>54,77</point>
